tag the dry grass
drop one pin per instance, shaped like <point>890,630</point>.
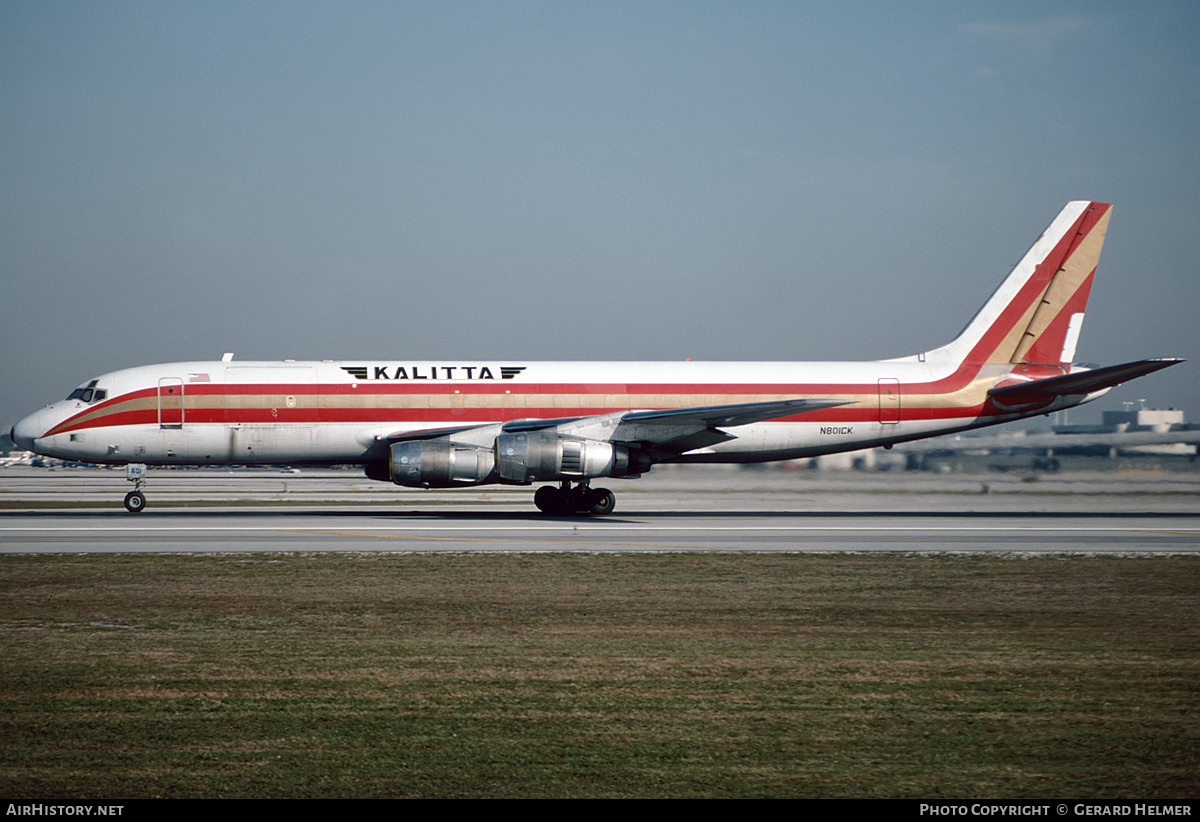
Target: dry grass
<point>604,675</point>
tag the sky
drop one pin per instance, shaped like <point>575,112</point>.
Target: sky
<point>575,181</point>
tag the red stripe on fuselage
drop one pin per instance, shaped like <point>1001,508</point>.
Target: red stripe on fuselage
<point>117,416</point>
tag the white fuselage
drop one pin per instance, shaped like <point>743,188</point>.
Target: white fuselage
<point>223,413</point>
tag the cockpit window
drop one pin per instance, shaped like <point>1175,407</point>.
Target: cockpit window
<point>88,392</point>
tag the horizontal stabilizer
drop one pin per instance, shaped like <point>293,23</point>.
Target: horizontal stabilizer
<point>1083,382</point>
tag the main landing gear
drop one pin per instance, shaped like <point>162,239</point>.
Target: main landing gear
<point>578,500</point>
<point>135,500</point>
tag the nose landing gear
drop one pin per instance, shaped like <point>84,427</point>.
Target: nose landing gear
<point>578,500</point>
<point>135,500</point>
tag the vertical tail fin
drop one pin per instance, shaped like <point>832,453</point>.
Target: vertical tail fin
<point>1036,314</point>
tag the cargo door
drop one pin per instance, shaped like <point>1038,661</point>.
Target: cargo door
<point>170,402</point>
<point>273,413</point>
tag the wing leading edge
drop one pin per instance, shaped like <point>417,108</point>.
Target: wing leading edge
<point>722,415</point>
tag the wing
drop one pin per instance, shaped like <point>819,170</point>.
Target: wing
<point>741,414</point>
<point>676,430</point>
<point>672,430</point>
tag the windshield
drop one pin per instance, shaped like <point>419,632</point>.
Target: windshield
<point>88,393</point>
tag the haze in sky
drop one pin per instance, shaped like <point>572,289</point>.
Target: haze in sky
<point>610,180</point>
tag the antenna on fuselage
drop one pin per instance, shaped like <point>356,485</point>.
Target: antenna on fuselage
<point>227,356</point>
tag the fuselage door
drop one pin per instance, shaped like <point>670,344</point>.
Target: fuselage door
<point>170,402</point>
<point>889,400</point>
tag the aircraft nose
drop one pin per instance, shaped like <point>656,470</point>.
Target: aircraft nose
<point>26,431</point>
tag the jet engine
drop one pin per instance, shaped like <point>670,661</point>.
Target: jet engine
<point>439,464</point>
<point>544,455</point>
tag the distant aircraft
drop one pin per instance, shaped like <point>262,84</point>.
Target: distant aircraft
<point>455,423</point>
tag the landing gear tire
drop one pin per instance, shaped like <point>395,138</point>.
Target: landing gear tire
<point>577,500</point>
<point>601,501</point>
<point>546,499</point>
<point>135,501</point>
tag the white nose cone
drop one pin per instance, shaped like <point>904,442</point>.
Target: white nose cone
<point>29,429</point>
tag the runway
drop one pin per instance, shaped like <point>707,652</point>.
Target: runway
<point>248,531</point>
<point>683,510</point>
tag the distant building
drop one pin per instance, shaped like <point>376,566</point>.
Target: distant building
<point>1138,421</point>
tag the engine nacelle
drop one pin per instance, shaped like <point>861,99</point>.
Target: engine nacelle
<point>439,464</point>
<point>544,455</point>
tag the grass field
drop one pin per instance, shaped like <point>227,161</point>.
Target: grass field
<point>669,675</point>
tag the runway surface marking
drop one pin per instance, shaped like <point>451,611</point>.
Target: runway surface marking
<point>357,531</point>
